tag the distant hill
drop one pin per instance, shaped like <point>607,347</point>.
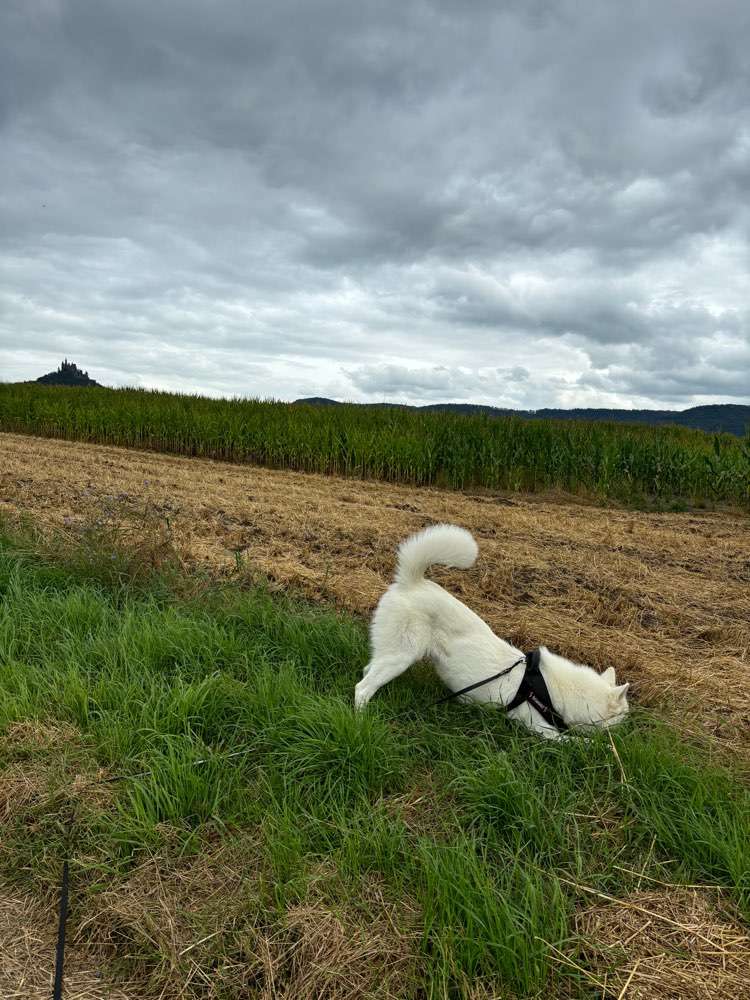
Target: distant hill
<point>730,417</point>
<point>68,374</point>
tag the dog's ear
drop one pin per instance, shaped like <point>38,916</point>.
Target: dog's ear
<point>621,693</point>
<point>609,676</point>
<point>618,702</point>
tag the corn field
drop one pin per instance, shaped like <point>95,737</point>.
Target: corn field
<point>625,462</point>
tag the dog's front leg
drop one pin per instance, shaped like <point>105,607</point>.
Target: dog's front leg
<point>549,733</point>
<point>530,718</point>
<point>562,737</point>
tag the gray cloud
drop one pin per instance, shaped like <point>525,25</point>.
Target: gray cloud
<point>437,383</point>
<point>360,200</point>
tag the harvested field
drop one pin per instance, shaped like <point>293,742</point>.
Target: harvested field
<point>662,597</point>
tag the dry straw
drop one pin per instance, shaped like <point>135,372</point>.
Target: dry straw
<point>666,943</point>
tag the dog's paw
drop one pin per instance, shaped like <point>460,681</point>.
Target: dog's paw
<point>361,696</point>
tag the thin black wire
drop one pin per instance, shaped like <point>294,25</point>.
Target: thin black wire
<point>63,917</point>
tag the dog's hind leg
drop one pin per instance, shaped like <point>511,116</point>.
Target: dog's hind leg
<point>378,672</point>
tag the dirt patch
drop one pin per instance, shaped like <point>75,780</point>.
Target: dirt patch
<point>661,597</point>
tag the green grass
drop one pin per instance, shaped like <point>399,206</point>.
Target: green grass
<point>468,831</point>
<point>642,465</point>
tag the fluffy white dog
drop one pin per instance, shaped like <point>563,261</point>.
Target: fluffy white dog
<point>417,618</point>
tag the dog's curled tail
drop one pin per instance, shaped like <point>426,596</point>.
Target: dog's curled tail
<point>446,544</point>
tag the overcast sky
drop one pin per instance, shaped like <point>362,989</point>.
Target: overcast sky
<point>523,203</point>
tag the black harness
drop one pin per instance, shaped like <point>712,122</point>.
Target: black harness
<point>533,689</point>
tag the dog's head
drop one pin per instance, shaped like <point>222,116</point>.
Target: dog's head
<point>586,699</point>
<point>615,698</point>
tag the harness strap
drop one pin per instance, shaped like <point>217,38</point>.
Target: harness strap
<point>533,689</point>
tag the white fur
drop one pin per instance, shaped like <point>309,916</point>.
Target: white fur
<point>417,618</point>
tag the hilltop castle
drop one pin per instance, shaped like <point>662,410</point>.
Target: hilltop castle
<point>68,366</point>
<point>68,374</point>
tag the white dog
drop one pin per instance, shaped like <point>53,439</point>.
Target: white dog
<point>417,618</point>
